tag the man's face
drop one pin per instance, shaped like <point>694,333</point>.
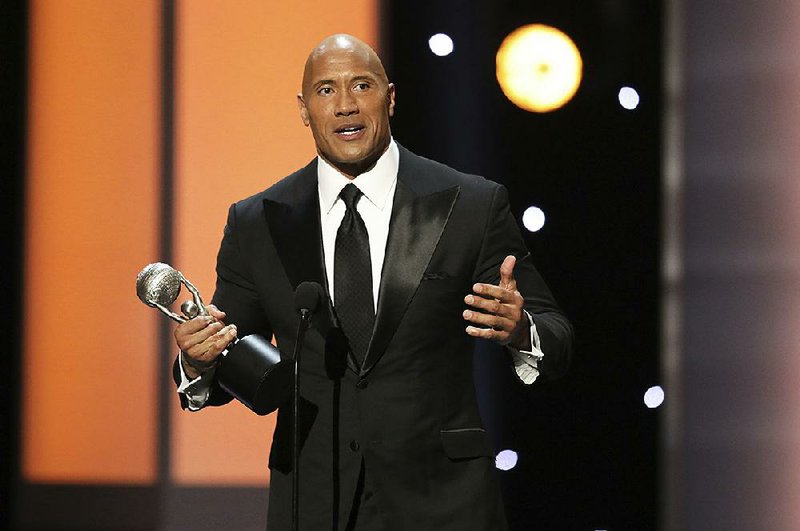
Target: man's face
<point>347,103</point>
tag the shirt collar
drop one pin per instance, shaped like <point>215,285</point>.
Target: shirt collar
<point>375,184</point>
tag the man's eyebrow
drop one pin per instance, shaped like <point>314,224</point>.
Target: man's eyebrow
<point>321,82</point>
<point>360,77</point>
<point>364,77</point>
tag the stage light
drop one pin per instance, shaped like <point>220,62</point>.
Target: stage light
<point>628,98</point>
<point>533,218</point>
<point>506,460</point>
<point>441,44</point>
<point>654,397</point>
<point>539,68</point>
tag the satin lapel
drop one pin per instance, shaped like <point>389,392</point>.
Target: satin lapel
<point>416,226</point>
<point>294,225</point>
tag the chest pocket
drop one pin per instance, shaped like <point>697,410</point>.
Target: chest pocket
<point>465,443</point>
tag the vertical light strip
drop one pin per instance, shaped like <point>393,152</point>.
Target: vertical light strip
<point>239,66</point>
<point>166,389</point>
<point>90,347</point>
<point>672,266</point>
<point>740,416</point>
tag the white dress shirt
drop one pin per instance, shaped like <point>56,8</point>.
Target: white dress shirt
<point>375,207</point>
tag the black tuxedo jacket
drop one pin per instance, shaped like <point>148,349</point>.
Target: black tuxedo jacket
<point>410,410</point>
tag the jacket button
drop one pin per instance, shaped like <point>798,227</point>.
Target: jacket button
<point>362,384</point>
<point>354,446</point>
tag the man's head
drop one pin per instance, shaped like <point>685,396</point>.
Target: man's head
<point>347,101</point>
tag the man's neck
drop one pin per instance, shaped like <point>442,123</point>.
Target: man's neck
<point>354,169</point>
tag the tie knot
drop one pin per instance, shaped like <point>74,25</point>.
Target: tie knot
<point>350,195</point>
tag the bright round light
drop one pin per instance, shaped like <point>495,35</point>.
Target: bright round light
<point>628,98</point>
<point>506,460</point>
<point>533,218</point>
<point>539,68</point>
<point>654,397</point>
<point>441,44</point>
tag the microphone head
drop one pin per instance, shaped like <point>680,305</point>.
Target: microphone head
<point>308,296</point>
<point>158,283</point>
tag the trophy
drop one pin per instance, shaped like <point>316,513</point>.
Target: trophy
<point>250,368</point>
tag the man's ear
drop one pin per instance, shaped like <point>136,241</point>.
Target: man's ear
<point>390,97</point>
<point>301,104</point>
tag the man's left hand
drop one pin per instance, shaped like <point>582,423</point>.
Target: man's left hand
<point>499,310</point>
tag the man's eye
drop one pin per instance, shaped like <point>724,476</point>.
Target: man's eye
<point>362,86</point>
<point>325,91</point>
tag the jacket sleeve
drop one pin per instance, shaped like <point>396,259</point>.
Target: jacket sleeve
<point>235,295</point>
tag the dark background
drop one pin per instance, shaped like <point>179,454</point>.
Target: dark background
<point>13,43</point>
<point>587,445</point>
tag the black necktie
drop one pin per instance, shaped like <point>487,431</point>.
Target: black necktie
<point>352,276</point>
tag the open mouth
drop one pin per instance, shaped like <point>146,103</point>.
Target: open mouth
<point>349,131</point>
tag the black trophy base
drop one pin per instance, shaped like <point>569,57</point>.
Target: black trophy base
<point>253,373</point>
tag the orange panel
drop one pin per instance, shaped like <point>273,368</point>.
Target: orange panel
<point>239,68</point>
<point>90,347</point>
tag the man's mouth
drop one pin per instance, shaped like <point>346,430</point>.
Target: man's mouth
<point>349,131</point>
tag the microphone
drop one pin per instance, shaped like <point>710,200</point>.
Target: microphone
<point>307,298</point>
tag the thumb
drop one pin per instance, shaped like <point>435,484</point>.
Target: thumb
<point>507,280</point>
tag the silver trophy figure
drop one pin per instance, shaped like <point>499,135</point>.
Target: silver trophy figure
<point>250,368</point>
<point>158,286</point>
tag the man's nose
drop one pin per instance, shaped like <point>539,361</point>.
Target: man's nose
<point>346,105</point>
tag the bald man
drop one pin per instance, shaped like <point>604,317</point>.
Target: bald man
<point>417,260</point>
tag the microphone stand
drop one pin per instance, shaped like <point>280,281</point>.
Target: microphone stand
<point>307,297</point>
<point>302,327</point>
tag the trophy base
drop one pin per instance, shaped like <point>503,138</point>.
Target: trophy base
<point>253,373</point>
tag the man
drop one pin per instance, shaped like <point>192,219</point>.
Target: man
<point>417,260</point>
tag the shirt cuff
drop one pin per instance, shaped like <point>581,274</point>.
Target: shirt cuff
<point>526,363</point>
<point>196,391</point>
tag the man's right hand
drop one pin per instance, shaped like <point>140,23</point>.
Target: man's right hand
<point>202,340</point>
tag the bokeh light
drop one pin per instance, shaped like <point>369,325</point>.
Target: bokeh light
<point>506,460</point>
<point>654,397</point>
<point>539,68</point>
<point>533,218</point>
<point>441,44</point>
<point>628,98</point>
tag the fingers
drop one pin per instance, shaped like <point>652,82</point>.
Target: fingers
<point>510,308</point>
<point>499,336</point>
<point>501,318</point>
<point>193,326</point>
<point>208,327</point>
<point>497,323</point>
<point>204,337</point>
<point>219,341</point>
<point>498,309</point>
<point>500,293</point>
<point>218,338</point>
<point>497,326</point>
<point>215,312</point>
